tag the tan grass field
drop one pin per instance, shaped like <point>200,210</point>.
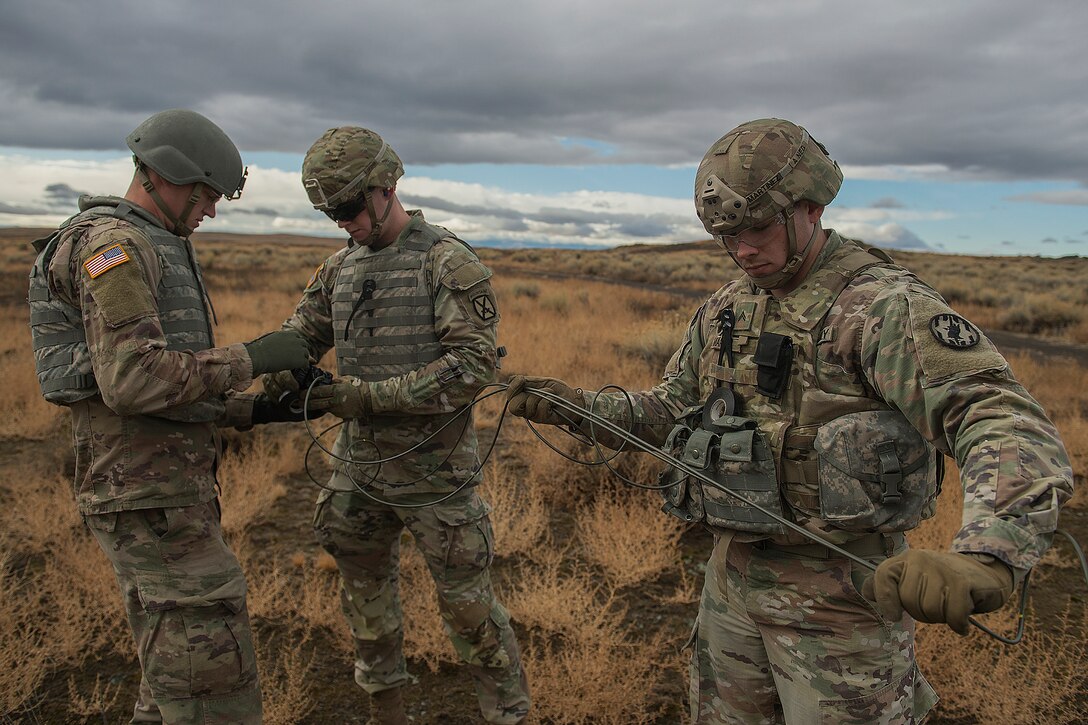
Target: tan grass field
<point>602,587</point>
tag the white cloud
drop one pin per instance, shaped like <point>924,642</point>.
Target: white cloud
<point>273,202</point>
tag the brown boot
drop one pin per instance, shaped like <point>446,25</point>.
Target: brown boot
<point>387,708</point>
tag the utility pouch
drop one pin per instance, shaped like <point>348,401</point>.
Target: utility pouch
<point>877,473</point>
<point>678,499</point>
<point>774,357</point>
<point>732,452</point>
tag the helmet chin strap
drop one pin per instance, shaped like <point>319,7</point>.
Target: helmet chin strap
<point>376,224</point>
<point>179,228</point>
<point>796,259</point>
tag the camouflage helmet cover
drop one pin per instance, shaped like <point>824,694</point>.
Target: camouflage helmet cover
<point>344,162</point>
<point>759,169</point>
<point>184,147</point>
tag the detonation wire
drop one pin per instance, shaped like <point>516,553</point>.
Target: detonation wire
<point>462,412</point>
<point>624,435</point>
<point>564,406</point>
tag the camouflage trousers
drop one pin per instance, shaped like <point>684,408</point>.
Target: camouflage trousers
<point>456,541</point>
<point>782,637</point>
<point>185,598</point>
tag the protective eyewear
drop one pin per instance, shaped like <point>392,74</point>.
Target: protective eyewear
<point>757,237</point>
<point>347,211</point>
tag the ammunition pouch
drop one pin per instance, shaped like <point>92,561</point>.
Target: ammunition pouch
<point>734,453</point>
<point>877,473</point>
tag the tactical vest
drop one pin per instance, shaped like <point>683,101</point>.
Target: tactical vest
<point>382,309</point>
<point>842,458</point>
<point>62,357</point>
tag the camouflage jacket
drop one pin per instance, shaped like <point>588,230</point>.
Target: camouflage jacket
<point>887,337</point>
<point>134,446</point>
<point>456,294</point>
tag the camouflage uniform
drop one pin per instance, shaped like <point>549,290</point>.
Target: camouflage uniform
<point>147,444</point>
<point>417,321</point>
<point>783,630</point>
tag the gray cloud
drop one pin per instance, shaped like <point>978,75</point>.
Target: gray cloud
<point>888,202</point>
<point>259,211</point>
<point>992,88</point>
<point>21,210</point>
<point>61,194</point>
<point>1068,197</point>
<point>574,222</point>
<point>434,202</point>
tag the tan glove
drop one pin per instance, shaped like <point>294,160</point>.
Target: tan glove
<point>276,384</point>
<point>528,405</point>
<point>345,398</point>
<point>934,586</point>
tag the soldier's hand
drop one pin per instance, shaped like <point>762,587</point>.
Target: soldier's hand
<point>279,350</point>
<point>526,404</point>
<point>270,410</point>
<point>277,383</point>
<point>345,398</point>
<point>934,586</point>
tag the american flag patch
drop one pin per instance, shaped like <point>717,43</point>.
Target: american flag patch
<point>108,259</point>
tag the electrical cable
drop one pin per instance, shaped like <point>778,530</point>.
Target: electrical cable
<point>625,436</point>
<point>462,411</point>
<point>661,455</point>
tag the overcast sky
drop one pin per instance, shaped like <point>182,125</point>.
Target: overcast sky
<point>962,125</point>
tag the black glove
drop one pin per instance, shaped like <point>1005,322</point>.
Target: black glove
<point>266,410</point>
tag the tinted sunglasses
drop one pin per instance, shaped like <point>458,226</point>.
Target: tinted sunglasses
<point>346,211</point>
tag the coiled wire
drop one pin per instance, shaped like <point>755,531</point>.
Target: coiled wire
<point>594,420</point>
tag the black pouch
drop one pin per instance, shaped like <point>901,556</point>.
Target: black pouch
<point>774,357</point>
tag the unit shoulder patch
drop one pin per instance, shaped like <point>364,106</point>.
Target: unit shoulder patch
<point>954,331</point>
<point>947,345</point>
<point>484,306</point>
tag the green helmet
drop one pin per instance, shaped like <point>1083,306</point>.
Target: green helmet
<point>184,147</point>
<point>344,163</point>
<point>759,169</point>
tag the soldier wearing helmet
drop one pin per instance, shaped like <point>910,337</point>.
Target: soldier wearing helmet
<point>826,385</point>
<point>409,309</point>
<point>122,337</point>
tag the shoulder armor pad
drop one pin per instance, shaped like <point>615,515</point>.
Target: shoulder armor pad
<point>461,268</point>
<point>470,273</point>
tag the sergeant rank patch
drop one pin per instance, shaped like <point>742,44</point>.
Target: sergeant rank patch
<point>105,260</point>
<point>484,306</point>
<point>953,331</point>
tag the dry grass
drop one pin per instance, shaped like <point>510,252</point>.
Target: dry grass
<point>103,697</point>
<point>1041,680</point>
<point>286,682</point>
<point>585,664</point>
<point>582,561</point>
<point>626,535</point>
<point>519,513</point>
<point>23,411</point>
<point>25,661</point>
<point>1020,294</point>
<point>251,478</point>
